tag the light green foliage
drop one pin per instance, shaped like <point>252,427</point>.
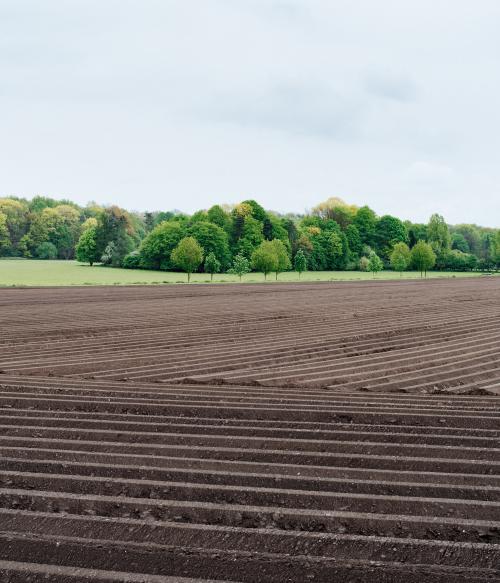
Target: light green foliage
<point>282,255</point>
<point>265,259</point>
<point>300,262</point>
<point>212,265</point>
<point>364,264</point>
<point>86,248</point>
<point>188,255</point>
<point>423,257</point>
<point>438,235</point>
<point>400,257</point>
<point>241,266</point>
<point>375,263</point>
<point>4,234</point>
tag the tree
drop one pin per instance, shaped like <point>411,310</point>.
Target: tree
<point>16,215</point>
<point>423,257</point>
<point>4,234</point>
<point>389,231</point>
<point>400,257</point>
<point>212,265</point>
<point>156,249</point>
<point>213,239</point>
<point>300,262</point>
<point>188,255</point>
<point>364,263</point>
<point>115,225</point>
<point>86,248</point>
<point>241,265</point>
<point>282,255</point>
<point>438,235</point>
<point>109,255</point>
<point>218,216</point>
<point>365,220</point>
<point>265,258</point>
<point>46,250</point>
<point>375,263</point>
<point>459,242</point>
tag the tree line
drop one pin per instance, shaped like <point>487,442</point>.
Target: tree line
<point>332,236</point>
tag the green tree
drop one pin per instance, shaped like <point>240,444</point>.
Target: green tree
<point>375,263</point>
<point>389,231</point>
<point>156,249</point>
<point>16,215</point>
<point>86,248</point>
<point>115,226</point>
<point>366,220</point>
<point>46,250</point>
<point>300,262</point>
<point>438,235</point>
<point>282,255</point>
<point>4,234</point>
<point>240,266</point>
<point>265,258</point>
<point>459,242</point>
<point>364,263</point>
<point>423,257</point>
<point>218,216</point>
<point>400,257</point>
<point>188,255</point>
<point>212,265</point>
<point>213,239</point>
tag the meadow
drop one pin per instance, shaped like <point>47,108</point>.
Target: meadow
<point>42,273</point>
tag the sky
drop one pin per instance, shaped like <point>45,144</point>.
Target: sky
<point>162,104</point>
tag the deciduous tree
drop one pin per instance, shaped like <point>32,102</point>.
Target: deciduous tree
<point>188,255</point>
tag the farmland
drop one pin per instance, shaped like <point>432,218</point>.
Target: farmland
<point>344,431</point>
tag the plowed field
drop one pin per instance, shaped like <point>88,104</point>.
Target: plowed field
<point>344,432</point>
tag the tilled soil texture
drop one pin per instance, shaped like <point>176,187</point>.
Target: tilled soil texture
<point>284,433</point>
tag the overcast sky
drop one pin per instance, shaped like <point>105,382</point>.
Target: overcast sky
<point>160,104</point>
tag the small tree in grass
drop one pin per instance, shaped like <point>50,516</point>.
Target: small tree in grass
<point>282,255</point>
<point>241,265</point>
<point>86,248</point>
<point>300,262</point>
<point>265,258</point>
<point>212,265</point>
<point>423,257</point>
<point>188,255</point>
<point>400,257</point>
<point>375,263</point>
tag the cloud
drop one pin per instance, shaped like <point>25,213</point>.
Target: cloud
<point>393,87</point>
<point>304,109</point>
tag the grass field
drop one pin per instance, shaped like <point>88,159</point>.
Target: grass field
<point>23,272</point>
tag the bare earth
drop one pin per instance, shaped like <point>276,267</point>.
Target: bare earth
<point>330,432</point>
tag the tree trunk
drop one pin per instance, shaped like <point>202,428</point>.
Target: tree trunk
<point>189,277</point>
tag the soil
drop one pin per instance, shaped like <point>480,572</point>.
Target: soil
<point>321,432</point>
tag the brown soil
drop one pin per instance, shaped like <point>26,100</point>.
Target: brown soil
<point>286,433</point>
